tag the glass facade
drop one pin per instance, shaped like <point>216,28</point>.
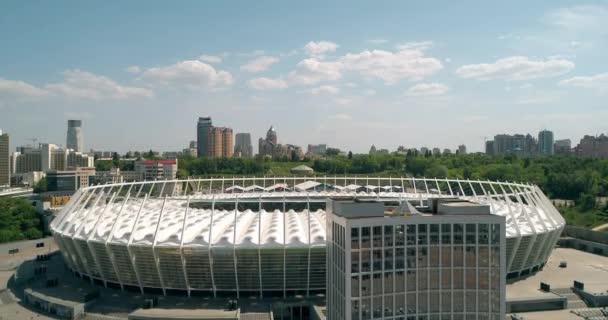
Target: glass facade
<point>417,271</point>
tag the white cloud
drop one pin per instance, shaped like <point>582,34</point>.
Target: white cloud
<point>77,84</point>
<point>516,68</point>
<point>191,73</point>
<point>267,83</point>
<point>579,18</point>
<point>259,64</point>
<point>538,99</point>
<point>85,85</point>
<point>411,64</point>
<point>427,89</point>
<point>210,59</point>
<point>133,69</point>
<point>597,82</point>
<point>369,92</point>
<point>325,90</point>
<point>416,45</point>
<point>20,89</point>
<point>319,48</point>
<point>312,71</point>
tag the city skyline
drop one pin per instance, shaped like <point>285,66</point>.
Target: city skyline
<point>537,68</point>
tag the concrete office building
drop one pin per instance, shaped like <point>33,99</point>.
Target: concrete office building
<point>5,160</point>
<point>74,136</point>
<point>242,145</point>
<point>156,169</point>
<point>267,236</point>
<point>545,142</point>
<point>462,149</point>
<point>69,180</point>
<point>445,261</point>
<point>202,135</point>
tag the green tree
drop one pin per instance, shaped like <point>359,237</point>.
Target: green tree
<point>41,186</point>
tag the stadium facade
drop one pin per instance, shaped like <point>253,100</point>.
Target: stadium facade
<point>262,236</point>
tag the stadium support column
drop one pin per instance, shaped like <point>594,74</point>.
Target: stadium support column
<point>530,223</point>
<point>156,259</point>
<point>85,263</point>
<point>131,256</point>
<point>309,245</point>
<point>236,271</point>
<point>260,244</point>
<point>284,250</point>
<point>543,237</point>
<point>81,226</point>
<point>181,245</point>
<point>210,256</point>
<point>93,252</point>
<point>110,253</point>
<point>514,219</point>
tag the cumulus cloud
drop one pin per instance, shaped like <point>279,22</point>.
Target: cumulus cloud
<point>312,71</point>
<point>415,45</point>
<point>597,82</point>
<point>427,89</point>
<point>86,85</point>
<point>259,64</point>
<point>319,48</point>
<point>210,59</point>
<point>77,84</point>
<point>190,73</point>
<point>410,64</point>
<point>20,89</point>
<point>324,90</point>
<point>516,68</point>
<point>267,83</point>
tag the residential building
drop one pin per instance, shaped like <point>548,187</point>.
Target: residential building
<point>115,175</point>
<point>202,135</point>
<point>270,147</point>
<point>591,146</point>
<point>69,180</point>
<point>5,161</point>
<point>392,262</point>
<point>436,151</point>
<point>372,149</point>
<point>490,147</point>
<point>447,151</point>
<point>545,142</point>
<point>220,142</point>
<point>424,150</point>
<point>462,149</point>
<point>563,146</point>
<point>49,157</point>
<point>28,178</point>
<point>317,149</point>
<point>74,136</point>
<point>157,169</point>
<point>518,144</point>
<point>242,145</point>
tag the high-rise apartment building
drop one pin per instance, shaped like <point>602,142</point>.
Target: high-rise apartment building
<point>202,135</point>
<point>563,146</point>
<point>591,146</point>
<point>49,157</point>
<point>156,169</point>
<point>242,145</point>
<point>462,149</point>
<point>518,144</point>
<point>545,142</point>
<point>395,262</point>
<point>74,136</point>
<point>5,163</point>
<point>220,142</point>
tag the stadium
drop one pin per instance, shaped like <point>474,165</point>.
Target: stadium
<point>261,236</point>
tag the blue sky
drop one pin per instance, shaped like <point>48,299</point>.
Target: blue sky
<point>349,74</point>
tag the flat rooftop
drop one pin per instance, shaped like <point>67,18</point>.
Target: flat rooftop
<point>585,267</point>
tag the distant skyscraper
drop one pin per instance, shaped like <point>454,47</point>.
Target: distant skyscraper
<point>545,142</point>
<point>202,135</point>
<point>5,173</point>
<point>74,137</point>
<point>490,147</point>
<point>562,146</point>
<point>242,145</point>
<point>462,149</point>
